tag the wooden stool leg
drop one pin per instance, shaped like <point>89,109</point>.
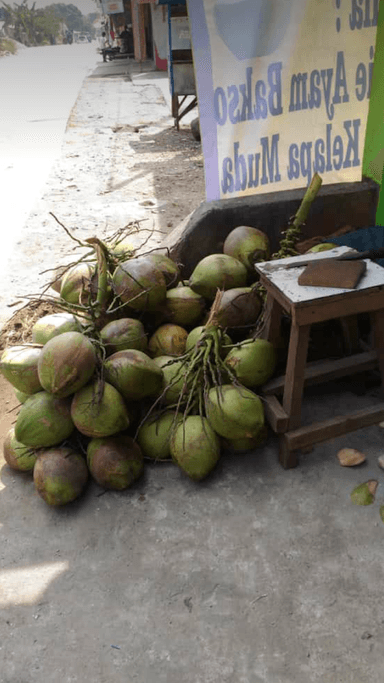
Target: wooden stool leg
<point>295,372</point>
<point>273,312</point>
<point>287,458</point>
<point>350,330</point>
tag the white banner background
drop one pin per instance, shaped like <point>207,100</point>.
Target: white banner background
<point>283,89</point>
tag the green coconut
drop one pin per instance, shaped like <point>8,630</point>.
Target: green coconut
<point>125,333</point>
<point>21,396</point>
<point>253,362</point>
<point>133,374</point>
<point>60,475</point>
<point>56,275</point>
<point>184,306</point>
<point>66,363</point>
<point>123,249</point>
<point>76,283</point>
<point>173,378</point>
<point>115,462</point>
<point>217,271</point>
<point>325,246</point>
<point>98,410</point>
<point>234,412</point>
<point>197,332</point>
<point>51,325</point>
<point>247,245</point>
<point>44,420</point>
<point>18,365</point>
<point>239,307</point>
<point>18,456</point>
<point>140,284</point>
<point>248,444</point>
<point>195,447</point>
<point>168,340</point>
<point>154,435</point>
<point>169,268</point>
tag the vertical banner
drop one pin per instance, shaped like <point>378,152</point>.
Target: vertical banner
<point>283,89</point>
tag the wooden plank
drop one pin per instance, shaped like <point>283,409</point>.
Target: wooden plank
<point>348,303</point>
<point>275,414</point>
<point>273,313</point>
<point>350,330</point>
<point>295,373</point>
<point>336,426</point>
<point>276,293</point>
<point>318,372</point>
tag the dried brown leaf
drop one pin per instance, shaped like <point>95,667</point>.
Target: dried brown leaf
<point>349,457</point>
<point>372,485</point>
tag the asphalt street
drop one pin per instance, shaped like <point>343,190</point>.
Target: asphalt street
<point>39,87</point>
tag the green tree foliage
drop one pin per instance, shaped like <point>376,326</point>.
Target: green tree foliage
<point>69,15</point>
<point>32,26</point>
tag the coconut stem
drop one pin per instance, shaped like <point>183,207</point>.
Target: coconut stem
<point>293,233</point>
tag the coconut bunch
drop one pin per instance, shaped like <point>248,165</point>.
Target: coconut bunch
<point>138,364</point>
<point>71,421</point>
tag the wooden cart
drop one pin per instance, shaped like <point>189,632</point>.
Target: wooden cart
<point>180,60</point>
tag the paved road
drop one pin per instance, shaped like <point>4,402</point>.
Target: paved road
<point>38,89</point>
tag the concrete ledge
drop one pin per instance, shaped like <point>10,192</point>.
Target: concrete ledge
<point>203,232</point>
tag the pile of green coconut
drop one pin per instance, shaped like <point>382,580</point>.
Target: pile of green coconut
<point>138,364</point>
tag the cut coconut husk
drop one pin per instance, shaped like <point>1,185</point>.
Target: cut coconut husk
<point>174,372</point>
<point>76,283</point>
<point>195,447</point>
<point>66,363</point>
<point>18,365</point>
<point>98,410</point>
<point>168,340</point>
<point>154,435</point>
<point>169,268</point>
<point>133,374</point>
<point>253,362</point>
<point>248,245</point>
<point>60,475</point>
<point>115,462</point>
<point>239,307</point>
<point>140,284</point>
<point>196,334</point>
<point>44,421</point>
<point>217,271</point>
<point>184,306</point>
<point>349,457</point>
<point>125,333</point>
<point>234,412</point>
<point>52,325</point>
<point>18,456</point>
<point>364,494</point>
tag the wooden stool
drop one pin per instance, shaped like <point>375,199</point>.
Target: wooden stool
<point>307,305</point>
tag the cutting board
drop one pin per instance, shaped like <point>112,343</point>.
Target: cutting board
<point>333,273</point>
